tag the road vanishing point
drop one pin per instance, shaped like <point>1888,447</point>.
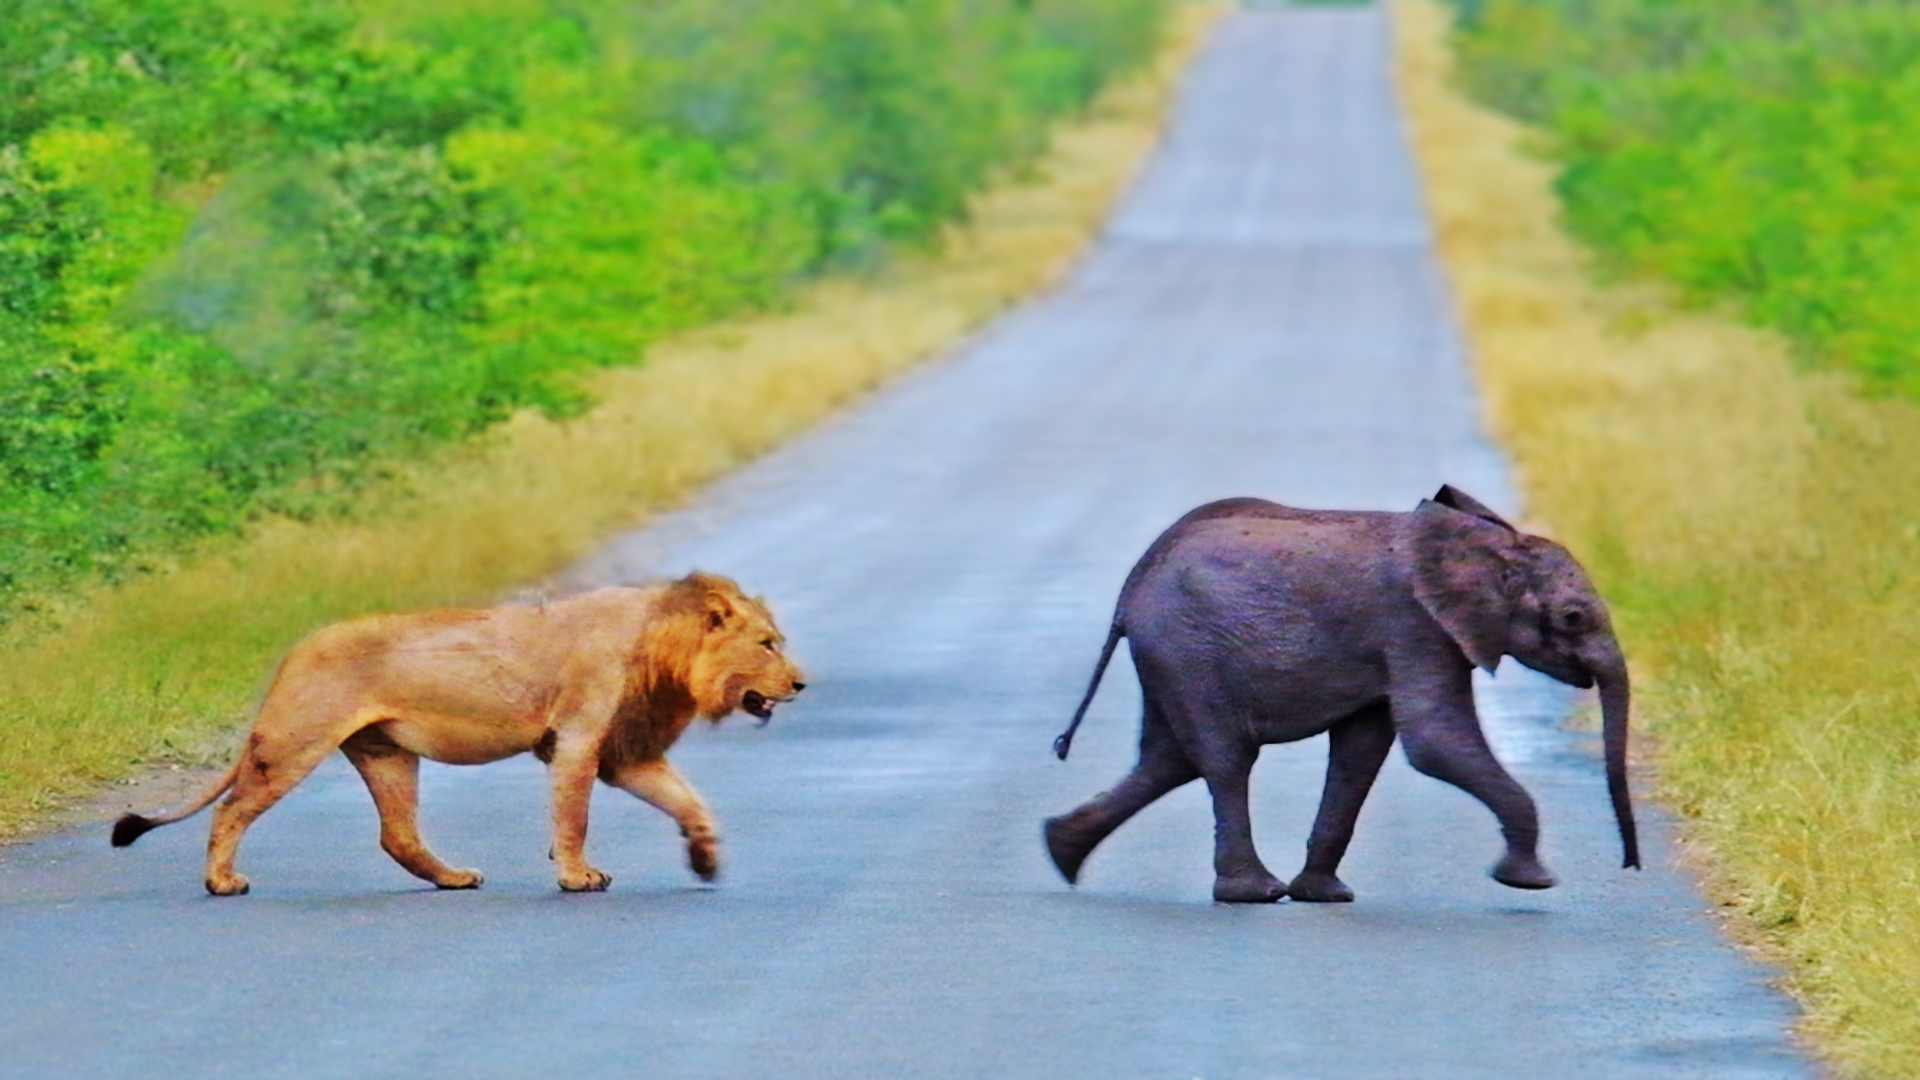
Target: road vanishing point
<point>1264,315</point>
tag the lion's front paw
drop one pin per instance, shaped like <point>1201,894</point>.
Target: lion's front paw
<point>227,885</point>
<point>586,879</point>
<point>459,879</point>
<point>704,857</point>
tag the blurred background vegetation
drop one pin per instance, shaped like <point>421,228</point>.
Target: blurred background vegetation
<point>250,250</point>
<point>1764,153</point>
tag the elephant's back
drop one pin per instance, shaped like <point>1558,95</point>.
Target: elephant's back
<point>1327,569</point>
<point>1205,521</point>
<point>1344,544</point>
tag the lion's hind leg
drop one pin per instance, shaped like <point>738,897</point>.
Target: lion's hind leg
<point>393,778</point>
<point>269,767</point>
<point>656,783</point>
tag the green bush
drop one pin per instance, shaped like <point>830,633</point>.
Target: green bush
<point>249,251</point>
<point>1761,152</point>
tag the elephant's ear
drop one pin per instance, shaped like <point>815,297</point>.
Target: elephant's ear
<point>1448,495</point>
<point>1463,577</point>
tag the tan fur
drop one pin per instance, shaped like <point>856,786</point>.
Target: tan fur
<point>599,684</point>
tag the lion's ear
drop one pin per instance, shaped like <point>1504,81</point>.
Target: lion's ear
<point>719,610</point>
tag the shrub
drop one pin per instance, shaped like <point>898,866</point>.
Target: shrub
<point>250,251</point>
<point>1761,152</point>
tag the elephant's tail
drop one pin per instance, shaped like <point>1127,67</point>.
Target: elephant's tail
<point>1065,741</point>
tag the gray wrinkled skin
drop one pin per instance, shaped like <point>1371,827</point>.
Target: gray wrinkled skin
<point>1253,623</point>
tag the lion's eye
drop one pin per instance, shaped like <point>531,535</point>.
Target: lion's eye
<point>767,644</point>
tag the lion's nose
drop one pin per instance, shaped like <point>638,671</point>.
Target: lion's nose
<point>798,686</point>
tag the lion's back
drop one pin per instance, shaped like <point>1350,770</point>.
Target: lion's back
<point>450,662</point>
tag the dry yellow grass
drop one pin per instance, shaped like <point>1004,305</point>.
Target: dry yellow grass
<point>1757,529</point>
<point>161,667</point>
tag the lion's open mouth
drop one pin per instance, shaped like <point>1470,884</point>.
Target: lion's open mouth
<point>758,704</point>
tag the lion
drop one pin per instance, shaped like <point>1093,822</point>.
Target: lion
<point>599,684</point>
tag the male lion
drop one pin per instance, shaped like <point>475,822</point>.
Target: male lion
<point>599,684</point>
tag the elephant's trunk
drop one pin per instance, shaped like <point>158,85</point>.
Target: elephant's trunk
<point>1614,699</point>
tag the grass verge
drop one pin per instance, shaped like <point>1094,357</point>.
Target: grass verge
<point>160,668</point>
<point>1757,530</point>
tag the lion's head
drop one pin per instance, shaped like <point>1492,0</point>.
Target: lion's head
<point>739,661</point>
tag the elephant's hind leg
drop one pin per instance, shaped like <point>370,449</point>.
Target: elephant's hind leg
<point>1163,766</point>
<point>393,779</point>
<point>1239,877</point>
<point>1225,759</point>
<point>1357,747</point>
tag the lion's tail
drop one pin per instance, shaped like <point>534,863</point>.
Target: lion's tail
<point>132,827</point>
<point>1065,741</point>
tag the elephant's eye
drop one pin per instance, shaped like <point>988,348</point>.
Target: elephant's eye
<point>1573,619</point>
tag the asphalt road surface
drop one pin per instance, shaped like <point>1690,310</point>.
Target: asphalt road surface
<point>1264,317</point>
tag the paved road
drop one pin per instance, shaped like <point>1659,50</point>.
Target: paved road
<point>1263,318</point>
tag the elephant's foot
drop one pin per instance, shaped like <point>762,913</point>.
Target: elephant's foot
<point>1065,847</point>
<point>1522,872</point>
<point>1317,888</point>
<point>1254,888</point>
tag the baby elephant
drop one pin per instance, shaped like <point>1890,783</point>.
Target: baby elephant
<point>1254,623</point>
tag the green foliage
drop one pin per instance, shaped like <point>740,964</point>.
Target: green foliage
<point>618,238</point>
<point>883,116</point>
<point>249,251</point>
<point>211,84</point>
<point>1763,152</point>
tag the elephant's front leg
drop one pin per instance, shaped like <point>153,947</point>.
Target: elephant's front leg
<point>1357,747</point>
<point>1445,742</point>
<point>1239,877</point>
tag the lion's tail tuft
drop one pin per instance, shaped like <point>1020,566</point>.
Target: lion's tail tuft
<point>129,828</point>
<point>132,827</point>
